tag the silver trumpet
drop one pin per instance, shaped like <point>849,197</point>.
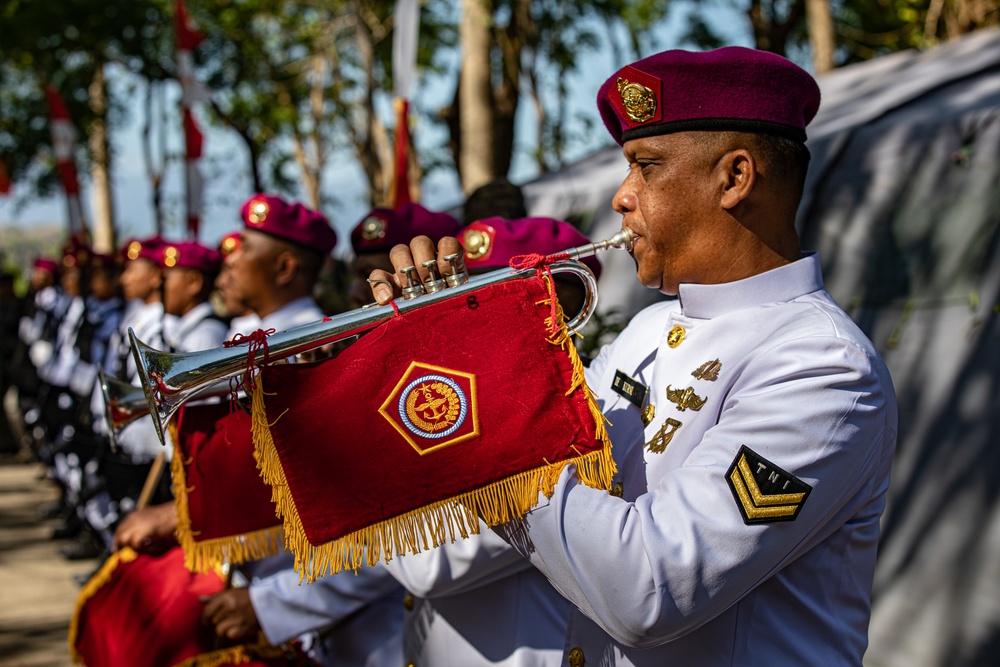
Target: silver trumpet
<point>124,403</point>
<point>170,379</point>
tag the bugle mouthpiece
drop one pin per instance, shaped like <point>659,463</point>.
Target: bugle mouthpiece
<point>623,240</point>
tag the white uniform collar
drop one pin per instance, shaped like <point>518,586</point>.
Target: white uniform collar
<point>293,314</point>
<point>775,286</point>
<point>195,315</point>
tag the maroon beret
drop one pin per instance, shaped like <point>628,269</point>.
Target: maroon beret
<point>146,248</point>
<point>46,264</point>
<point>274,216</point>
<point>102,261</point>
<point>732,88</point>
<point>490,243</point>
<point>76,252</point>
<point>189,255</point>
<point>383,228</point>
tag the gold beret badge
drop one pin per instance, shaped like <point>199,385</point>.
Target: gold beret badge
<point>639,101</point>
<point>476,243</point>
<point>257,211</point>
<point>373,228</point>
<point>170,256</point>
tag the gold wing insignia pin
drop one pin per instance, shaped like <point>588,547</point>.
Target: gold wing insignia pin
<point>685,398</point>
<point>708,371</point>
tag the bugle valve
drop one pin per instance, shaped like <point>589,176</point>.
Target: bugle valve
<point>170,379</point>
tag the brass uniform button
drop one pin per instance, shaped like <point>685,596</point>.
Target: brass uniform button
<point>647,414</point>
<point>675,336</point>
<point>575,657</point>
<point>408,601</point>
<point>617,489</point>
<point>410,664</point>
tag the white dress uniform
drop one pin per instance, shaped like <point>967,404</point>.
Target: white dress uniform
<point>747,531</point>
<point>138,440</point>
<point>477,603</point>
<point>59,369</point>
<point>293,314</point>
<point>359,617</point>
<point>197,329</point>
<point>244,324</point>
<point>148,322</point>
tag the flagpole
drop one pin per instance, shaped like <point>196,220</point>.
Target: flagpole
<point>192,91</point>
<point>406,22</point>
<point>63,147</point>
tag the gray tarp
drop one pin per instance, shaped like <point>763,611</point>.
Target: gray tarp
<point>903,205</point>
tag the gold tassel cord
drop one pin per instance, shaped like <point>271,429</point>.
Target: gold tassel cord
<point>206,555</point>
<point>96,582</point>
<point>238,655</point>
<point>432,525</point>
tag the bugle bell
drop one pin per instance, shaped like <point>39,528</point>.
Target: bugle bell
<point>123,404</point>
<point>170,379</point>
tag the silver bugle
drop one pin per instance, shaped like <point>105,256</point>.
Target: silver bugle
<point>169,379</point>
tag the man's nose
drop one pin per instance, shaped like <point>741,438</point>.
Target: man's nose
<point>624,200</point>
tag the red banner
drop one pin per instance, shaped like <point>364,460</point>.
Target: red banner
<point>462,409</point>
<point>224,509</point>
<point>144,610</point>
<point>5,183</point>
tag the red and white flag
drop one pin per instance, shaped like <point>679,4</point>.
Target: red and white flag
<point>63,146</point>
<point>5,184</point>
<point>192,91</point>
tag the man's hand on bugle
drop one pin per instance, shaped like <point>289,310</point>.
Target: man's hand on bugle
<point>387,286</point>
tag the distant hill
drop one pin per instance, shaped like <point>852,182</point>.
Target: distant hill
<point>19,246</point>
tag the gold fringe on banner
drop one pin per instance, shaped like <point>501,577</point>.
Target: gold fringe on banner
<point>238,655</point>
<point>96,582</point>
<point>206,555</point>
<point>431,525</point>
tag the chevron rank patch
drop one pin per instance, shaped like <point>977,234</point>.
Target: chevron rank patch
<point>764,492</point>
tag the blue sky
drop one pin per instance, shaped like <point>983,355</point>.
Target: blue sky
<point>225,165</point>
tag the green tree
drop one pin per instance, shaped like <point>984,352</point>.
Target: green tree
<point>70,48</point>
<point>523,47</point>
<point>856,30</point>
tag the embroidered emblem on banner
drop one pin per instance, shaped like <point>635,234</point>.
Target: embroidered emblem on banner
<point>630,389</point>
<point>685,398</point>
<point>433,407</point>
<point>764,492</point>
<point>708,371</point>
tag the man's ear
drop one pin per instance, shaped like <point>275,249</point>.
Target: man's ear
<point>157,279</point>
<point>194,283</point>
<point>739,170</point>
<point>286,265</point>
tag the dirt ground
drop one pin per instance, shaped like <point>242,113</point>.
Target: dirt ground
<point>37,586</point>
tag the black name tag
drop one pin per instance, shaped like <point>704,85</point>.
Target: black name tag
<point>630,388</point>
